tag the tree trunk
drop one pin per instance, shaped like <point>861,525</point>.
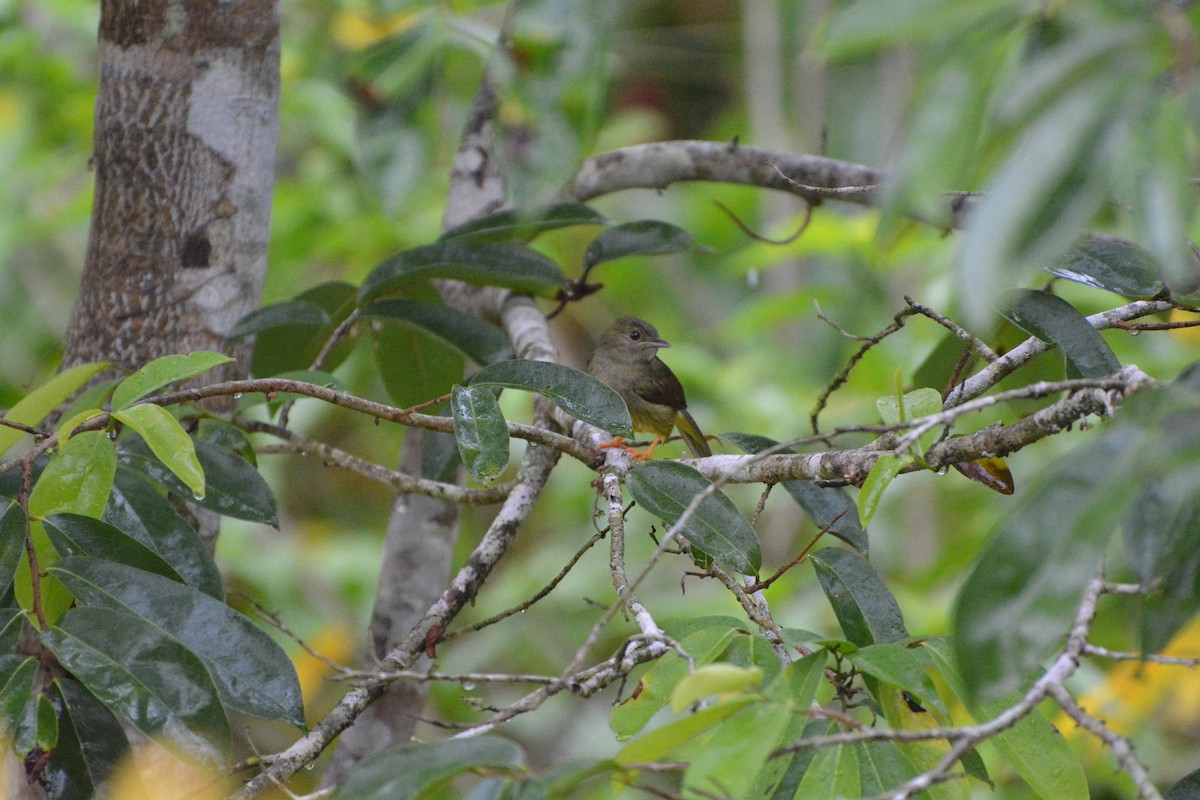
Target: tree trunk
<point>187,117</point>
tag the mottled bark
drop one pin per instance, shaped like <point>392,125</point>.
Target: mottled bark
<point>187,117</point>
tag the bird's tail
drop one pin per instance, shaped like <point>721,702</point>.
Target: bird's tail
<point>692,436</point>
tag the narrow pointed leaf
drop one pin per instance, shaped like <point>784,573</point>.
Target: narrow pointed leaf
<point>294,312</point>
<point>647,237</point>
<point>162,371</point>
<point>512,266</point>
<point>232,486</point>
<point>18,675</point>
<point>480,341</point>
<point>251,671</point>
<point>78,478</point>
<point>717,528</point>
<point>865,608</point>
<point>661,742</point>
<point>143,513</point>
<point>91,743</point>
<point>714,679</point>
<point>1111,264</point>
<point>576,393</point>
<point>143,676</point>
<point>830,507</point>
<point>33,407</point>
<point>1055,321</point>
<point>12,542</point>
<point>524,224</point>
<point>168,441</point>
<point>481,432</point>
<point>883,471</point>
<point>406,773</point>
<point>73,534</point>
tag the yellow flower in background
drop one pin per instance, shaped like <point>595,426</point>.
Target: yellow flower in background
<point>355,30</point>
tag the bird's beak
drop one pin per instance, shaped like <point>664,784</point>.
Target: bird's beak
<point>658,343</point>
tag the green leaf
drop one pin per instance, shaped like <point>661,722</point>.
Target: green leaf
<point>251,671</point>
<point>73,534</point>
<point>714,679</point>
<point>144,514</point>
<point>295,345</point>
<point>706,639</point>
<point>78,478</point>
<point>916,404</point>
<point>646,237</point>
<point>1186,788</point>
<point>882,766</point>
<point>865,608</point>
<point>1055,321</point>
<point>415,365</point>
<point>1019,601</point>
<point>661,742</point>
<point>1033,747</point>
<point>729,763</point>
<point>143,676</point>
<point>162,371</point>
<point>481,432</point>
<point>901,666</point>
<point>829,507</point>
<point>91,743</point>
<point>47,724</point>
<point>524,224</point>
<point>480,341</point>
<point>512,266</point>
<point>409,772</point>
<point>832,774</point>
<point>867,25</point>
<point>12,622</point>
<point>33,407</point>
<point>883,471</point>
<point>12,542</point>
<point>1111,264</point>
<point>233,487</point>
<point>576,393</point>
<point>18,675</point>
<point>716,528</point>
<point>294,312</point>
<point>168,441</point>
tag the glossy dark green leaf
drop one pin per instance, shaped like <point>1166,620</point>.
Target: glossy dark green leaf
<point>250,670</point>
<point>294,346</point>
<point>1019,601</point>
<point>1186,788</point>
<point>47,724</point>
<point>1111,264</point>
<point>12,542</point>
<point>480,341</point>
<point>524,224</point>
<point>17,677</point>
<point>78,477</point>
<point>415,365</point>
<point>91,743</point>
<point>716,528</point>
<point>865,608</point>
<point>483,263</point>
<point>1055,321</point>
<point>147,516</point>
<point>481,432</point>
<point>233,487</point>
<point>294,312</point>
<point>830,507</point>
<point>1162,526</point>
<point>144,676</point>
<point>405,773</point>
<point>74,534</point>
<point>12,620</point>
<point>162,371</point>
<point>1174,605</point>
<point>647,237</point>
<point>168,441</point>
<point>576,393</point>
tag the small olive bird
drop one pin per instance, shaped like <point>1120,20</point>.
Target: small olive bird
<point>626,358</point>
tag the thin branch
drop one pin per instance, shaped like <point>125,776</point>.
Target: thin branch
<point>1149,658</point>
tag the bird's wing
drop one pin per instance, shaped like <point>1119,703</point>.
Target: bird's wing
<point>661,387</point>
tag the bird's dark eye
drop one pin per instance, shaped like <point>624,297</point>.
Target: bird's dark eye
<point>635,335</point>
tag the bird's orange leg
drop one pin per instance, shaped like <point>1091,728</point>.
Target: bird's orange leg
<point>633,451</point>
